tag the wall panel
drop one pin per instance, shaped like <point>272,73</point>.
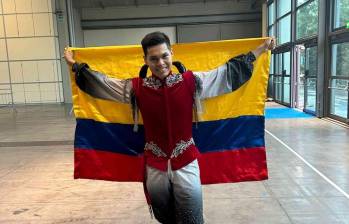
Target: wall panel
<point>30,71</point>
<point>18,93</point>
<point>23,6</point>
<point>4,73</point>
<point>11,26</point>
<point>9,6</point>
<point>31,48</point>
<point>42,24</point>
<point>16,72</point>
<point>40,6</point>
<point>3,56</point>
<point>2,31</point>
<point>47,71</point>
<point>25,25</point>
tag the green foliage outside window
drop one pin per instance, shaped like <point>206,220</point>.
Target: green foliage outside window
<point>341,13</point>
<point>340,59</point>
<point>307,20</point>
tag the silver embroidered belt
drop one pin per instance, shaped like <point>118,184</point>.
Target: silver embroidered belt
<point>181,146</point>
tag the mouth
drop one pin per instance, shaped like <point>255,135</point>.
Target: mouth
<point>163,69</point>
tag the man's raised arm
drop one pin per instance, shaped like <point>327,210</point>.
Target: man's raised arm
<point>230,76</point>
<point>97,84</point>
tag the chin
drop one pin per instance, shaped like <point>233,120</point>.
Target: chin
<point>162,75</point>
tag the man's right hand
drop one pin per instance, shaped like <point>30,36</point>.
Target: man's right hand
<point>68,56</point>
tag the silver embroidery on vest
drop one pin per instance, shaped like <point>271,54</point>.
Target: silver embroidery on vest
<point>151,146</point>
<point>181,147</point>
<point>152,82</point>
<point>171,80</point>
<point>156,83</point>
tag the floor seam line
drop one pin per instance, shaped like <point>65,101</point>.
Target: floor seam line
<point>309,165</point>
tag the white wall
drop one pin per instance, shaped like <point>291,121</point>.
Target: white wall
<point>29,54</point>
<point>220,31</point>
<point>129,36</point>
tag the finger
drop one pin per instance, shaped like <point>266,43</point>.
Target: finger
<point>274,40</point>
<point>272,43</point>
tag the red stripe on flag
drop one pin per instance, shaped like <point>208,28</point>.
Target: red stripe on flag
<point>102,165</point>
<point>233,166</point>
<point>215,167</point>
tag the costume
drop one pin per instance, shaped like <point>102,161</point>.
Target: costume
<point>166,107</point>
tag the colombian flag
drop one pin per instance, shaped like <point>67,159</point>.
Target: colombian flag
<point>230,134</point>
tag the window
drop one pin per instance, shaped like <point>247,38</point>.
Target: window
<point>271,14</point>
<point>284,30</point>
<point>271,19</point>
<point>271,68</point>
<point>284,6</point>
<point>339,80</point>
<point>271,32</point>
<point>300,2</point>
<point>340,60</point>
<point>307,20</point>
<point>341,13</point>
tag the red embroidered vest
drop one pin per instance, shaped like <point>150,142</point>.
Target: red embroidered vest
<point>167,110</point>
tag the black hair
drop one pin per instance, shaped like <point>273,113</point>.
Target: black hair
<point>153,39</point>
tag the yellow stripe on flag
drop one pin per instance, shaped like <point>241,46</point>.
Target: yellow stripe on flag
<point>125,62</point>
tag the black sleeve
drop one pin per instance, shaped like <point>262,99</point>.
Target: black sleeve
<point>99,85</point>
<point>240,69</point>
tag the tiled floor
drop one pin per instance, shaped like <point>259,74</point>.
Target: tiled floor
<point>37,186</point>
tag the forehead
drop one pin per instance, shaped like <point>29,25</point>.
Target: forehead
<point>158,50</point>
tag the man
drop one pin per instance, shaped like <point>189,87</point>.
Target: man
<point>165,101</point>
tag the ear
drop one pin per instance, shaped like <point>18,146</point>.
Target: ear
<point>171,51</point>
<point>145,59</point>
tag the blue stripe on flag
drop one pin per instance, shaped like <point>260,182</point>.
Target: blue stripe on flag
<point>233,133</point>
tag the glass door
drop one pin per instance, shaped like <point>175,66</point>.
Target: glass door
<point>306,78</point>
<point>282,78</point>
<point>299,77</point>
<point>310,79</point>
<point>339,82</point>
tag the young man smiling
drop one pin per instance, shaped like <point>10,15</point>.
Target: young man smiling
<point>165,101</point>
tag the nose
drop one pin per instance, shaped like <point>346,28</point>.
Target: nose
<point>160,61</point>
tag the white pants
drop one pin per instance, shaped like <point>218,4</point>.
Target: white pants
<point>176,196</point>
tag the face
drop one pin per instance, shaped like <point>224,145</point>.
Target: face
<point>159,60</point>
